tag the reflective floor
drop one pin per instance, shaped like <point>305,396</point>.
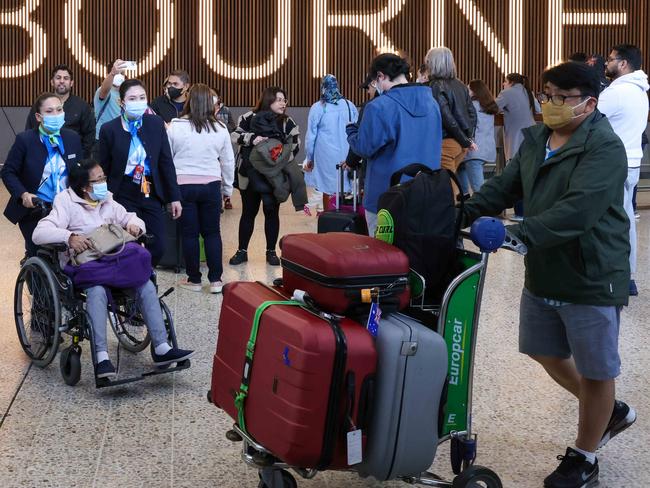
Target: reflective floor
<point>161,432</point>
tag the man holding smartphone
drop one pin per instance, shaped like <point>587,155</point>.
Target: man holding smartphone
<point>107,96</point>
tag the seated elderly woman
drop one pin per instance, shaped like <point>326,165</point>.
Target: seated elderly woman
<point>76,212</point>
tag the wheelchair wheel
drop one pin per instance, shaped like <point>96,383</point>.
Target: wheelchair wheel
<point>129,326</point>
<point>284,479</point>
<point>477,477</point>
<point>169,324</point>
<point>37,311</point>
<point>70,364</point>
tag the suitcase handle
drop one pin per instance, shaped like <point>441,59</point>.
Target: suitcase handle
<point>341,187</point>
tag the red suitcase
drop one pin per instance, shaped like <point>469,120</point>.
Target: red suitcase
<point>308,375</point>
<point>333,267</point>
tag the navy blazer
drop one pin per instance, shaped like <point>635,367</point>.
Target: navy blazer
<point>24,166</point>
<point>113,153</point>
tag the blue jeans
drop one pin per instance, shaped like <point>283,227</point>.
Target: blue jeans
<point>201,215</point>
<point>470,174</point>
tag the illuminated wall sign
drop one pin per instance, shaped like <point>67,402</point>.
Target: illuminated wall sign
<point>558,18</point>
<point>210,50</point>
<point>152,59</point>
<point>21,18</point>
<point>241,46</point>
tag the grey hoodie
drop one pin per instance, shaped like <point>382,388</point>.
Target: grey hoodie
<point>625,103</point>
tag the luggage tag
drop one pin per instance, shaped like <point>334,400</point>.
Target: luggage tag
<point>355,454</point>
<point>374,317</point>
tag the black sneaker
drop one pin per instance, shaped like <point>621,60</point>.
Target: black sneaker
<point>105,369</point>
<point>239,258</point>
<point>623,417</point>
<point>633,289</point>
<point>272,258</point>
<point>573,472</point>
<point>174,355</point>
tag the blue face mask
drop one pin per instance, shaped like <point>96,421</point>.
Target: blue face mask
<point>136,109</point>
<point>53,123</point>
<point>100,191</point>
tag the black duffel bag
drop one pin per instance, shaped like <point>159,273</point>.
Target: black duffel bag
<point>419,217</point>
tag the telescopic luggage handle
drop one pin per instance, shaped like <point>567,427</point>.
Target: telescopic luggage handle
<point>341,187</point>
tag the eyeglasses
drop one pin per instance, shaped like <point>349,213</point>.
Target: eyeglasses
<point>98,180</point>
<point>615,58</point>
<point>558,100</point>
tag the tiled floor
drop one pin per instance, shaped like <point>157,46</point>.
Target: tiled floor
<point>162,433</point>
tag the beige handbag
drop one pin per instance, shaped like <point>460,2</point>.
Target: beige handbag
<point>107,240</point>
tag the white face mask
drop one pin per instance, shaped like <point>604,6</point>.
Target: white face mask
<point>118,79</point>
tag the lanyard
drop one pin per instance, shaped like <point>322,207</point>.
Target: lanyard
<point>53,155</point>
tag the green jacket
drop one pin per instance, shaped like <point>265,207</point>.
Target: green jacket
<point>576,229</point>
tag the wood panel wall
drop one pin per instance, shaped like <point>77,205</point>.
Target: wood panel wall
<point>245,31</point>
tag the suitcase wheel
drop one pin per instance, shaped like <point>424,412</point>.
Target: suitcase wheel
<point>278,479</point>
<point>477,476</point>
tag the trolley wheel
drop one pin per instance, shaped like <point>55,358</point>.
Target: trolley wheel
<point>129,327</point>
<point>70,364</point>
<point>288,481</point>
<point>37,311</point>
<point>477,477</point>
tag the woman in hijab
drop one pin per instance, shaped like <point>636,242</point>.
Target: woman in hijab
<point>326,141</point>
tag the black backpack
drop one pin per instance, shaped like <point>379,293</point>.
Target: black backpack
<point>419,217</point>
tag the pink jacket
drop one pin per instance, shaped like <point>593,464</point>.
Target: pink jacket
<point>72,214</point>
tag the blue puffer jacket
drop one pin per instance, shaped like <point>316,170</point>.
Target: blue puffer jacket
<point>400,127</point>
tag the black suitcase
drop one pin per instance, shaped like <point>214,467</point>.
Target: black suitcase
<point>343,219</point>
<point>173,256</point>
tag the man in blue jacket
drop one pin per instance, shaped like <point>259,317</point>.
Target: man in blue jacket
<point>400,127</point>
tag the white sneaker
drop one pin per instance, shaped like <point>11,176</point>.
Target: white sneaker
<point>216,287</point>
<point>187,285</point>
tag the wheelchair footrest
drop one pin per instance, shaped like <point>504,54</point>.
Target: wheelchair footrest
<point>106,382</point>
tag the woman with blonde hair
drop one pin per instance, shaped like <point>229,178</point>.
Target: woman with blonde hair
<point>458,113</point>
<point>205,167</point>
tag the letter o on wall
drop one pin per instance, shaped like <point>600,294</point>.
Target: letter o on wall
<point>156,54</point>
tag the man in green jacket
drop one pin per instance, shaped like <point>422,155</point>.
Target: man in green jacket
<point>570,173</point>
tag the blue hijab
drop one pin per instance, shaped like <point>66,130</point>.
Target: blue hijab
<point>329,90</point>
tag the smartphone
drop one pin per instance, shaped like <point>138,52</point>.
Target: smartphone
<point>129,65</point>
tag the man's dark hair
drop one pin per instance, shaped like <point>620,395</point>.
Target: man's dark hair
<point>182,74</point>
<point>569,75</point>
<point>579,57</point>
<point>61,67</point>
<point>629,53</point>
<point>124,87</point>
<point>79,175</point>
<point>391,65</point>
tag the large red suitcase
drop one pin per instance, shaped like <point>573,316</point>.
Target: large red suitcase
<point>332,268</point>
<point>308,375</point>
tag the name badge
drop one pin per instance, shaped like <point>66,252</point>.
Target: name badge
<point>71,156</point>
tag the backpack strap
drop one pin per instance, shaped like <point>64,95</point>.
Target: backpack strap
<point>410,170</point>
<point>101,110</point>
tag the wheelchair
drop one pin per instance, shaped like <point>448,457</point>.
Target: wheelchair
<point>46,306</point>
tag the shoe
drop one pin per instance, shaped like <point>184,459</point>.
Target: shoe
<point>574,471</point>
<point>216,286</point>
<point>633,289</point>
<point>272,258</point>
<point>516,218</point>
<point>623,417</point>
<point>239,257</point>
<point>174,355</point>
<point>227,204</point>
<point>637,216</point>
<point>105,369</point>
<point>188,285</point>
<point>307,210</point>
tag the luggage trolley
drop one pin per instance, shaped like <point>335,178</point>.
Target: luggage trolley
<point>457,321</point>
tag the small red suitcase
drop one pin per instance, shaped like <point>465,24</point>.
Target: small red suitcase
<point>333,267</point>
<point>308,375</point>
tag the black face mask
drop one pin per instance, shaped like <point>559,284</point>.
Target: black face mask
<point>174,92</point>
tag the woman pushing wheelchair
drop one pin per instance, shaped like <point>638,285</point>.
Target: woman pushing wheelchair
<point>80,210</point>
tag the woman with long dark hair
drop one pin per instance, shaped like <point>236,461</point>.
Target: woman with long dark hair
<point>134,153</point>
<point>470,172</point>
<point>205,166</point>
<point>253,187</point>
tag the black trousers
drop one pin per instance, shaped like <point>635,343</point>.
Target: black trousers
<point>27,226</point>
<point>150,210</point>
<point>251,200</point>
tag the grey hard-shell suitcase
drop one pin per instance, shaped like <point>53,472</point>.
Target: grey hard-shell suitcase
<point>410,378</point>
